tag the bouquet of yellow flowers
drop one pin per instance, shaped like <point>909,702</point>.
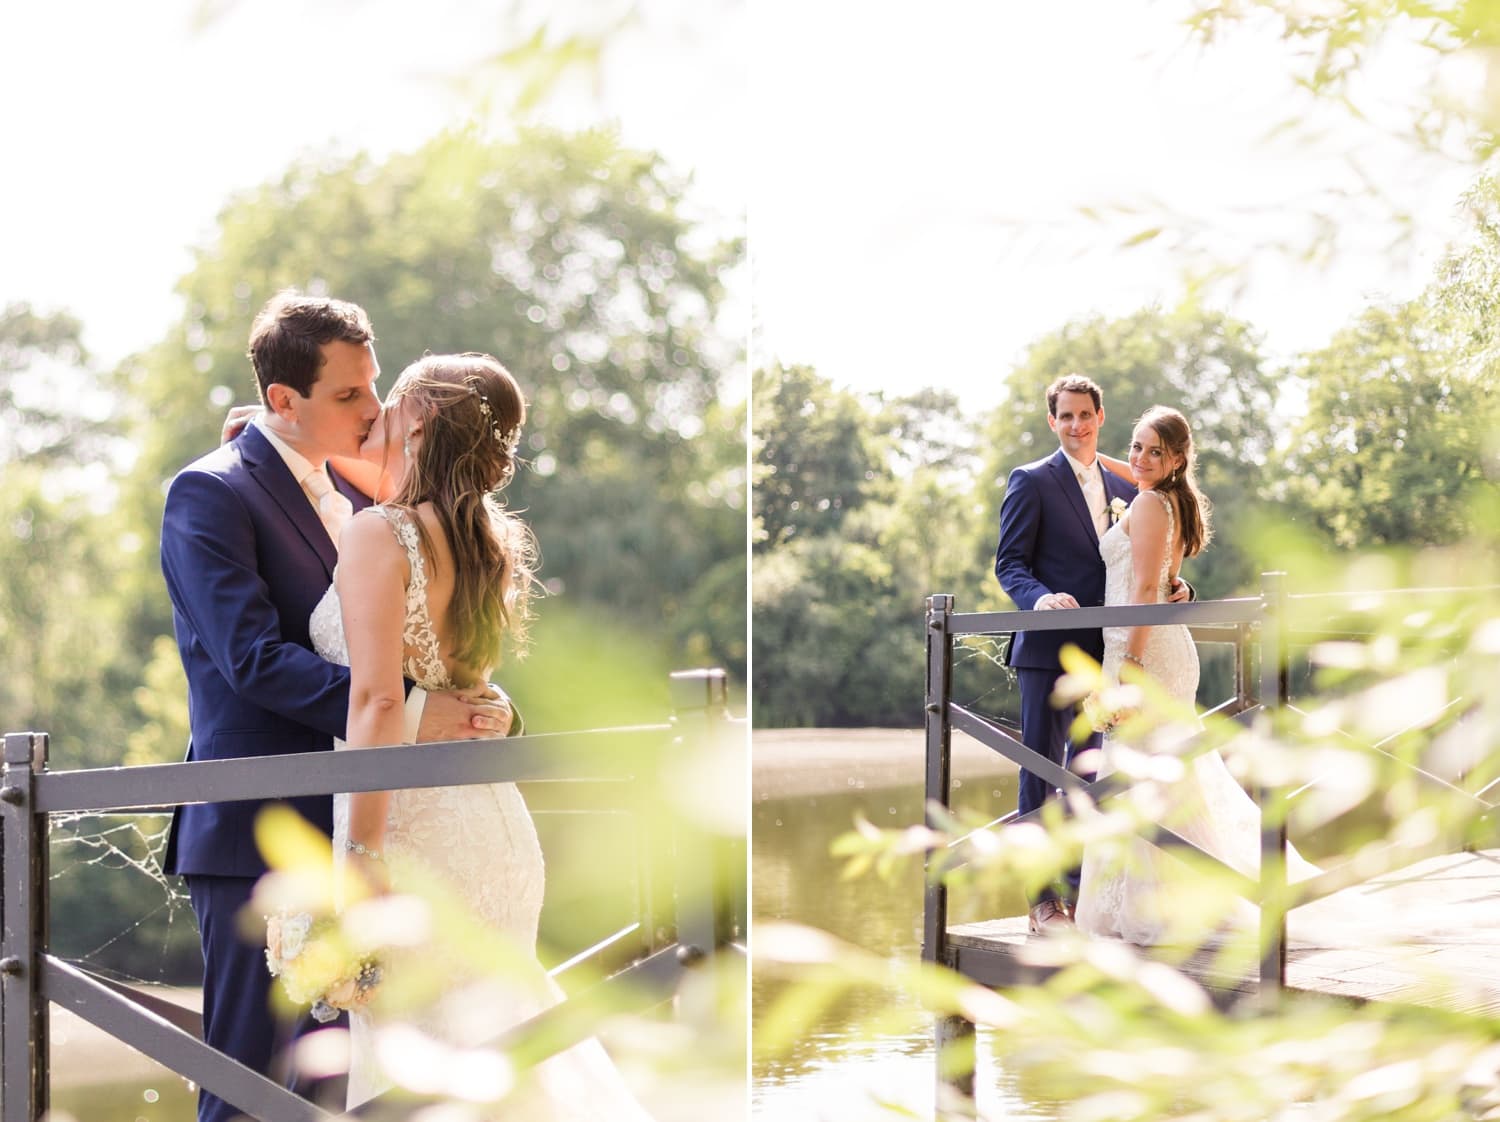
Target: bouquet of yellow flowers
<point>316,964</point>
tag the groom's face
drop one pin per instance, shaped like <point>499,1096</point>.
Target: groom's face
<point>1076,424</point>
<point>334,418</point>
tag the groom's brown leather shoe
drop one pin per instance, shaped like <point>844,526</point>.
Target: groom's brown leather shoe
<point>1050,917</point>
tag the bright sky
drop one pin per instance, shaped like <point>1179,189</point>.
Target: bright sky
<point>913,176</point>
<point>126,131</point>
<point>918,175</point>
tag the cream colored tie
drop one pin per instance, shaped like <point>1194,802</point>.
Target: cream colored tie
<point>333,508</point>
<point>1093,495</point>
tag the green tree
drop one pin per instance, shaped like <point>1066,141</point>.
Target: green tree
<point>65,665</point>
<point>867,507</point>
<point>568,256</point>
<point>43,369</point>
<point>1391,451</point>
<point>62,663</point>
<point>935,525</point>
<point>836,642</point>
<point>815,456</point>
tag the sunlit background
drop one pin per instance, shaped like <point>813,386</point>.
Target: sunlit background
<point>939,190</point>
<point>1282,225</point>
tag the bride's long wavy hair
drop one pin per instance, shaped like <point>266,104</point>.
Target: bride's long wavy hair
<point>1194,511</point>
<point>471,411</point>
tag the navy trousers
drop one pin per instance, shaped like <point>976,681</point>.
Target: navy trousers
<point>1047,731</point>
<point>237,1018</point>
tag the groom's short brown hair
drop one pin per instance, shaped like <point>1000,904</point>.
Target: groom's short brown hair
<point>1074,383</point>
<point>287,334</point>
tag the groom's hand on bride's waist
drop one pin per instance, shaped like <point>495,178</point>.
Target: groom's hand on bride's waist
<point>468,714</point>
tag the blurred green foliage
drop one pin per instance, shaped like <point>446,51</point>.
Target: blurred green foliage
<point>1364,467</point>
<point>1390,756</point>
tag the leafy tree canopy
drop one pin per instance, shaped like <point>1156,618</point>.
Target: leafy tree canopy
<point>569,257</point>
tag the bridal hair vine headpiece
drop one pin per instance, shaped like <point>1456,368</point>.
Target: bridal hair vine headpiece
<point>507,440</point>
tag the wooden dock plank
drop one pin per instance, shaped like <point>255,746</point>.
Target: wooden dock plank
<point>1426,934</point>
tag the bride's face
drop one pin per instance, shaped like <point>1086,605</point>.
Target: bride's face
<point>394,434</point>
<point>1150,463</point>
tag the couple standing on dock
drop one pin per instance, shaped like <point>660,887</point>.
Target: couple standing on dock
<point>1080,529</point>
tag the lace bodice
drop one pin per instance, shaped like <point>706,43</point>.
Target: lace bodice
<point>423,661</point>
<point>480,838</point>
<point>1119,561</point>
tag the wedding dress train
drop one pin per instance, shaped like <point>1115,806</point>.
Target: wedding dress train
<point>480,844</point>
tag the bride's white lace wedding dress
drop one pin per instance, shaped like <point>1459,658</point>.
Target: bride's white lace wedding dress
<point>1130,895</point>
<point>480,842</point>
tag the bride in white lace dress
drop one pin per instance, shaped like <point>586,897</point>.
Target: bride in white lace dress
<point>1136,894</point>
<point>426,586</point>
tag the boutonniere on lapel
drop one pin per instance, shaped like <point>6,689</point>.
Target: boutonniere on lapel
<point>1116,509</point>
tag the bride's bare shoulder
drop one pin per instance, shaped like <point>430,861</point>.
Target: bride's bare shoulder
<point>1151,517</point>
<point>369,531</point>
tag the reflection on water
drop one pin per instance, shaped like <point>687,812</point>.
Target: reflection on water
<point>150,1100</point>
<point>839,1073</point>
<point>859,1080</point>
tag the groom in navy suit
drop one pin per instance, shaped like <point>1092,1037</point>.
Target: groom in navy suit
<point>1054,512</point>
<point>248,549</point>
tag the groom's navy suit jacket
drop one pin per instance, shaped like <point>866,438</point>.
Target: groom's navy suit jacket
<point>1048,543</point>
<point>246,560</point>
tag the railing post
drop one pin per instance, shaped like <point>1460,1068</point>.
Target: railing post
<point>704,915</point>
<point>1273,699</point>
<point>953,1036</point>
<point>1244,689</point>
<point>23,933</point>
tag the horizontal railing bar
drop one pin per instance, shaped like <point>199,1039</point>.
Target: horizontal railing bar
<point>645,981</point>
<point>189,1020</point>
<point>174,1048</point>
<point>1157,834</point>
<point>1195,613</point>
<point>1101,790</point>
<point>1213,634</point>
<point>1365,866</point>
<point>994,737</point>
<point>1377,594</point>
<point>1152,832</point>
<point>1420,772</point>
<point>589,952</point>
<point>1230,707</point>
<point>569,1021</point>
<point>452,763</point>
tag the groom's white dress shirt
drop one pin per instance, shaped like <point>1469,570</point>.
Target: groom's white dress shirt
<point>1093,491</point>
<point>333,511</point>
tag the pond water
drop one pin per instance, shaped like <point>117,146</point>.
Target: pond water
<point>167,1098</point>
<point>840,1073</point>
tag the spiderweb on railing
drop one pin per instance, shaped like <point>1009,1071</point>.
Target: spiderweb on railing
<point>113,910</point>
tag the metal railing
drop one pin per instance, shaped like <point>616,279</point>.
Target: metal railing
<point>1238,621</point>
<point>1257,622</point>
<point>702,918</point>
